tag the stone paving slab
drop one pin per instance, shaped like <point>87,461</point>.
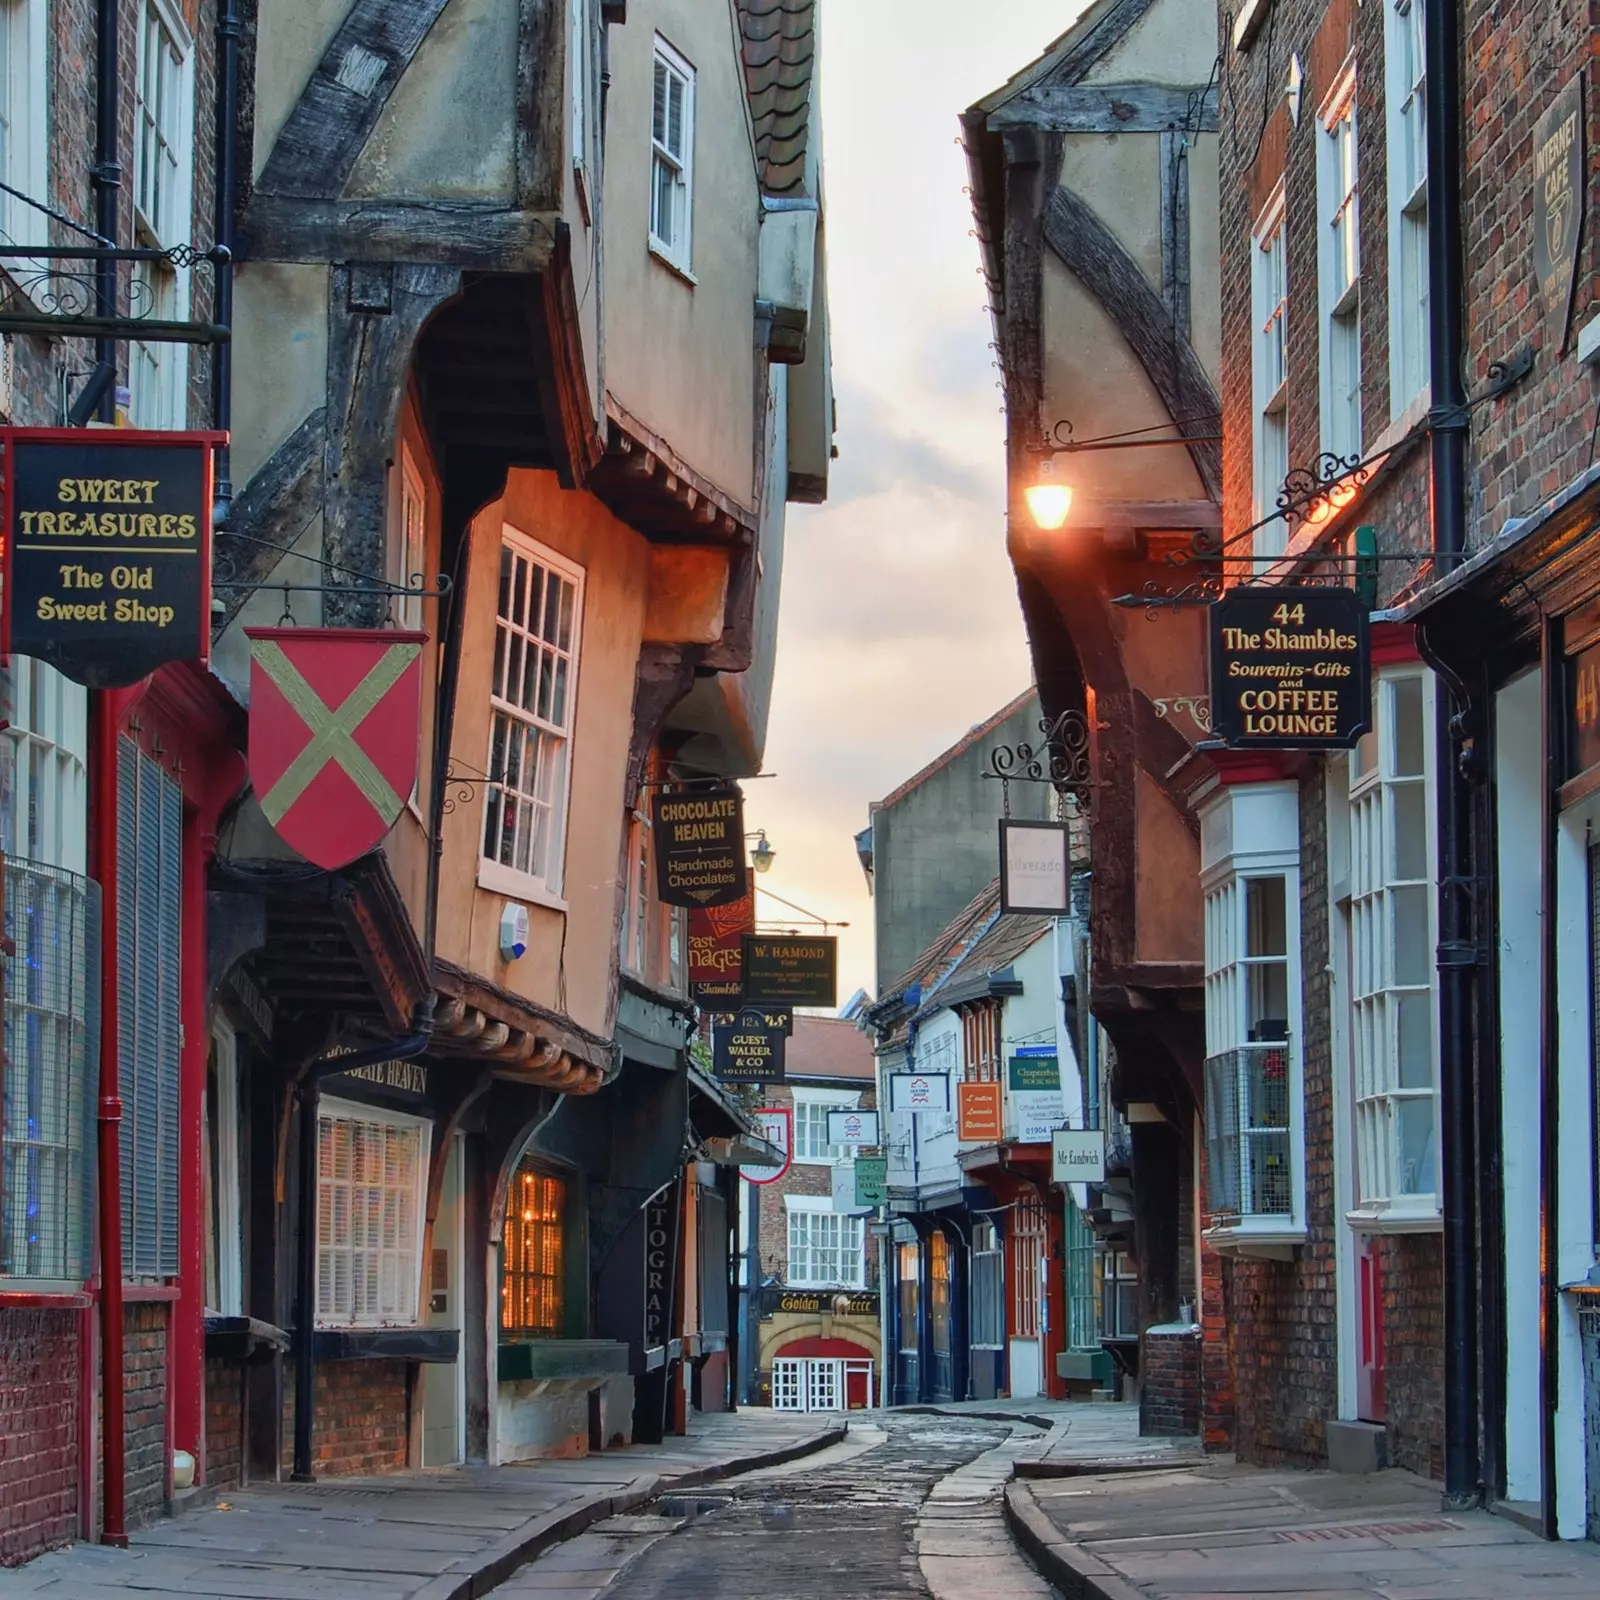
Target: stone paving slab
<point>450,1534</point>
<point>1223,1529</point>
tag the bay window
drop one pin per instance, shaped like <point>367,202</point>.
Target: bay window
<point>1255,1157</point>
<point>1392,997</point>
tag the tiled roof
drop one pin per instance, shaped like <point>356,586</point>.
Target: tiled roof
<point>960,747</point>
<point>995,950</point>
<point>780,48</point>
<point>952,941</point>
<point>827,1047</point>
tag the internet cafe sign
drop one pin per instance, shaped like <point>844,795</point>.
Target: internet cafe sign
<point>1558,182</point>
<point>107,550</point>
<point>1290,668</point>
<point>699,847</point>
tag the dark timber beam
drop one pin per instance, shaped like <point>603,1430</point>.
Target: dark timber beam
<point>1175,277</point>
<point>1093,254</point>
<point>482,234</point>
<point>1110,108</point>
<point>1087,52</point>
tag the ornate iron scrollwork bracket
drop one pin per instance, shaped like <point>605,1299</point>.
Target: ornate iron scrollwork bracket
<point>1063,759</point>
<point>461,784</point>
<point>1197,707</point>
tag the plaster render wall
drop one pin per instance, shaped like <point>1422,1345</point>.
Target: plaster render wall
<point>680,355</point>
<point>287,53</point>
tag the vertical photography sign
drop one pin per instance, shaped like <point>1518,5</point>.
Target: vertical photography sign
<point>699,847</point>
<point>108,550</point>
<point>1290,668</point>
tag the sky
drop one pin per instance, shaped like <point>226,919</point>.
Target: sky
<point>899,626</point>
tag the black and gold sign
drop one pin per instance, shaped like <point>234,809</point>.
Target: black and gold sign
<point>1558,180</point>
<point>776,1300</point>
<point>791,971</point>
<point>1290,668</point>
<point>699,845</point>
<point>108,550</point>
<point>747,1046</point>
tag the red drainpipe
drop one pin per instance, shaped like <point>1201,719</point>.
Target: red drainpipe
<point>105,710</point>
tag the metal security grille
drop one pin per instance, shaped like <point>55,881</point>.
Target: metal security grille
<point>149,920</point>
<point>50,1027</point>
<point>1247,1132</point>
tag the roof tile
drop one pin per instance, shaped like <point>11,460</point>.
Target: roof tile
<point>780,47</point>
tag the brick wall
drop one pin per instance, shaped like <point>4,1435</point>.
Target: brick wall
<point>1413,1328</point>
<point>362,1418</point>
<point>224,1425</point>
<point>145,1380</point>
<point>38,1432</point>
<point>1169,1401</point>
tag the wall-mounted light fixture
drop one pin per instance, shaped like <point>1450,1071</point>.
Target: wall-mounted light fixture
<point>1049,497</point>
<point>762,857</point>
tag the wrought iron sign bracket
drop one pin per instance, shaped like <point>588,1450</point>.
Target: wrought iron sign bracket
<point>1061,759</point>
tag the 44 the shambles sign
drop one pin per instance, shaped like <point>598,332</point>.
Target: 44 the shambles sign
<point>791,971</point>
<point>108,550</point>
<point>1290,668</point>
<point>699,845</point>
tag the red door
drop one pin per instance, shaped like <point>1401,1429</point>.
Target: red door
<point>1369,1312</point>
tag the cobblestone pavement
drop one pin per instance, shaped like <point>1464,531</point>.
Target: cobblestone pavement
<point>907,1506</point>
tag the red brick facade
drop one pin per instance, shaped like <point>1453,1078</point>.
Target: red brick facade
<point>224,1425</point>
<point>39,1415</point>
<point>363,1418</point>
<point>145,1369</point>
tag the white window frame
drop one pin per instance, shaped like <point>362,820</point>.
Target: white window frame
<point>1339,268</point>
<point>1376,1093</point>
<point>1251,832</point>
<point>158,373</point>
<point>410,542</point>
<point>677,250</point>
<point>1405,137</point>
<point>989,1249</point>
<point>24,125</point>
<point>543,887</point>
<point>812,1207</point>
<point>1269,310</point>
<point>407,1258</point>
<point>224,1174</point>
<point>823,1100</point>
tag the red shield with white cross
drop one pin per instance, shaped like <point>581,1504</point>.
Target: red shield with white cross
<point>335,729</point>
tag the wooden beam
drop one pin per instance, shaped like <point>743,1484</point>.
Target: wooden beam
<point>562,373</point>
<point>484,234</point>
<point>1175,227</point>
<point>1110,108</point>
<point>1094,255</point>
<point>1090,49</point>
<point>318,146</point>
<point>541,103</point>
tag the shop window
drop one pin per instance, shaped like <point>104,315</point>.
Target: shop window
<point>1083,1298</point>
<point>23,130</point>
<point>909,1272</point>
<point>827,1249</point>
<point>372,1173</point>
<point>533,1279</point>
<point>811,1108</point>
<point>1405,111</point>
<point>1339,270</point>
<point>1119,1295</point>
<point>533,696</point>
<point>1392,998</point>
<point>988,1288</point>
<point>220,1176</point>
<point>149,1009</point>
<point>1029,1228</point>
<point>980,1025</point>
<point>1253,1098</point>
<point>672,156</point>
<point>1269,300</point>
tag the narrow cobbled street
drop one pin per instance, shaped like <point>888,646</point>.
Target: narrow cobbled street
<point>908,1507</point>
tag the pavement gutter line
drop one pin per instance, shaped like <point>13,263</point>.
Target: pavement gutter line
<point>1068,1566</point>
<point>489,1568</point>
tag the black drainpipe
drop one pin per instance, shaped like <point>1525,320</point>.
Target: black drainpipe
<point>1457,948</point>
<point>229,30</point>
<point>305,1314</point>
<point>106,176</point>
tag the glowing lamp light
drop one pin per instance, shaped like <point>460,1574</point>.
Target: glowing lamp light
<point>1048,501</point>
<point>762,856</point>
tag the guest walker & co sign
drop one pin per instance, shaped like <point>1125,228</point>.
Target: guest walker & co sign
<point>107,550</point>
<point>1290,668</point>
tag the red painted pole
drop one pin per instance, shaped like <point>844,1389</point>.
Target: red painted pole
<point>105,706</point>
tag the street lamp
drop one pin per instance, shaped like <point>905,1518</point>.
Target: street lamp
<point>1050,500</point>
<point>761,858</point>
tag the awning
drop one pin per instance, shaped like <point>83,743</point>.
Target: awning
<point>731,1137</point>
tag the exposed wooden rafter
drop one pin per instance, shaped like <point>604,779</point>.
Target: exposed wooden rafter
<point>1110,108</point>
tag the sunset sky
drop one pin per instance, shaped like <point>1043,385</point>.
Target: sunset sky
<point>900,627</point>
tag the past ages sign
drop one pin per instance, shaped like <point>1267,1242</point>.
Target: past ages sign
<point>1290,668</point>
<point>108,550</point>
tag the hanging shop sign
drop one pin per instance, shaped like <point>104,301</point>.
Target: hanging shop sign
<point>777,1128</point>
<point>1290,668</point>
<point>1033,1084</point>
<point>872,1180</point>
<point>107,550</point>
<point>842,1188</point>
<point>791,971</point>
<point>335,734</point>
<point>1035,868</point>
<point>716,949</point>
<point>699,847</point>
<point>660,1263</point>
<point>1583,711</point>
<point>813,1302</point>
<point>852,1129</point>
<point>978,1112</point>
<point>747,1046</point>
<point>919,1091</point>
<point>1077,1157</point>
<point>1558,181</point>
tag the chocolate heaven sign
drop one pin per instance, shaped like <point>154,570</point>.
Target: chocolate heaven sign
<point>699,845</point>
<point>1290,669</point>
